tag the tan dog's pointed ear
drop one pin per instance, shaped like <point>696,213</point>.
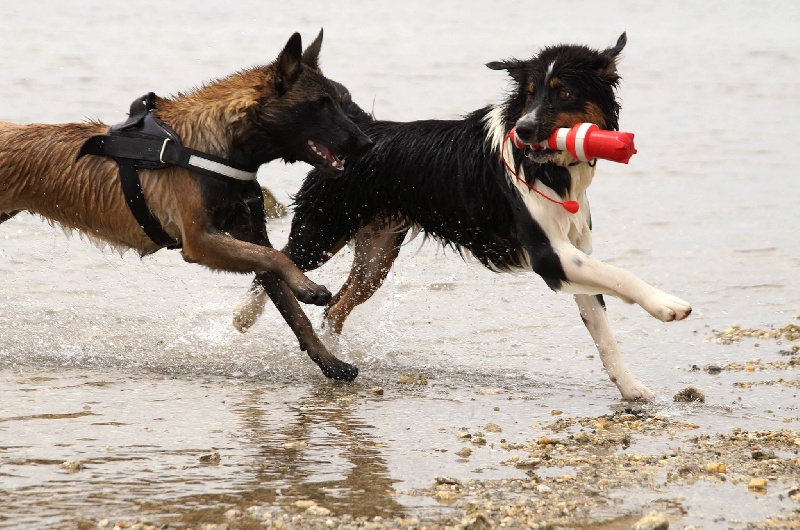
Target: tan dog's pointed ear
<point>311,55</point>
<point>288,64</point>
<point>611,56</point>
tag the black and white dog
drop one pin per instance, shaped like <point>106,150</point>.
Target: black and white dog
<point>449,179</point>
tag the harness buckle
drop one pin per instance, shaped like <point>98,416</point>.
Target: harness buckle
<point>163,148</point>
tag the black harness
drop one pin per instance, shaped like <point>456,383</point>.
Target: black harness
<point>145,142</point>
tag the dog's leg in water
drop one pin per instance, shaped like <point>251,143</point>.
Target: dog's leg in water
<point>249,309</point>
<point>376,246</point>
<point>593,313</point>
<point>290,310</point>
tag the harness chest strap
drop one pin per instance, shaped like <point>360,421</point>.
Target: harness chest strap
<point>164,152</point>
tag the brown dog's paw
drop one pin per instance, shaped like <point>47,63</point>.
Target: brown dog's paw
<point>315,294</point>
<point>340,371</point>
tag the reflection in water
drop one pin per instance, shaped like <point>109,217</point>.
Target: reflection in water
<point>341,467</point>
<point>313,448</point>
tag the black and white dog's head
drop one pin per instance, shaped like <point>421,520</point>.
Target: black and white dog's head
<point>560,87</point>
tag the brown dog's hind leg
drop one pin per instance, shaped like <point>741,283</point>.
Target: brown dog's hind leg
<point>376,246</point>
<point>309,342</point>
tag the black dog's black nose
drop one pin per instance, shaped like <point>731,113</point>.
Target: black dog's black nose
<point>526,130</point>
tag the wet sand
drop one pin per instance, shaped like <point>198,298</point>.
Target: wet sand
<point>127,398</point>
<point>415,451</point>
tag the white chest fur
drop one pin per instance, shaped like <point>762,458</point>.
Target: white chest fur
<point>558,224</point>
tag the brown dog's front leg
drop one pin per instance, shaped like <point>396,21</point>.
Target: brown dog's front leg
<point>286,303</point>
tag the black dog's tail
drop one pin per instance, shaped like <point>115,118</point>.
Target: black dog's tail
<point>351,108</point>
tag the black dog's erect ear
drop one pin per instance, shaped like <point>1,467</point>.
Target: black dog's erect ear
<point>288,63</point>
<point>611,56</point>
<point>311,55</point>
<point>515,68</point>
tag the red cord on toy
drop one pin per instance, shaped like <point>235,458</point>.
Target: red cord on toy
<point>570,206</point>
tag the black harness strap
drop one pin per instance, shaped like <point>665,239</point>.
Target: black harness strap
<point>134,196</point>
<point>145,142</point>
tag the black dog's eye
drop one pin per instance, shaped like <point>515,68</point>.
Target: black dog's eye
<point>562,94</point>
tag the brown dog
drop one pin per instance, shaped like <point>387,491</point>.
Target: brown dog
<point>199,192</point>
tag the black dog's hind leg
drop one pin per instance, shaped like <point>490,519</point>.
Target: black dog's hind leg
<point>376,246</point>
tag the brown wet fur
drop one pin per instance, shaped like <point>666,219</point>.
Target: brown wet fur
<point>39,174</point>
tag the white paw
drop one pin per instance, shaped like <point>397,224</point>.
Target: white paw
<point>666,307</point>
<point>634,390</point>
<point>247,312</point>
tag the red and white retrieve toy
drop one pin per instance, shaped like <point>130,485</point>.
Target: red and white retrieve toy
<point>586,141</point>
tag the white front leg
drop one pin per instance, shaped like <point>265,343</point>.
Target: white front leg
<point>586,275</point>
<point>594,317</point>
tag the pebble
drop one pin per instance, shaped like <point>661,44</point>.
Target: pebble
<point>476,521</point>
<point>211,458</point>
<point>318,511</point>
<point>757,484</point>
<point>411,379</point>
<point>688,395</point>
<point>654,521</point>
<point>465,452</point>
<point>716,467</point>
<point>493,427</point>
<point>463,433</point>
<point>445,496</point>
<point>762,454</point>
<point>72,466</point>
<point>300,444</point>
<point>528,462</point>
<point>376,391</point>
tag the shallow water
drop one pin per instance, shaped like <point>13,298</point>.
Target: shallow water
<point>132,367</point>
